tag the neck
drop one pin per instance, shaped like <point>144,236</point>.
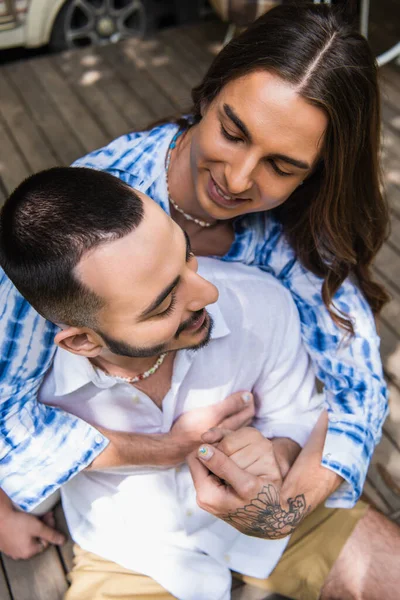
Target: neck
<point>124,366</point>
<point>180,180</point>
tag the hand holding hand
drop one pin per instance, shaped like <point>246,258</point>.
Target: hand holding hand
<point>234,412</point>
<point>243,488</point>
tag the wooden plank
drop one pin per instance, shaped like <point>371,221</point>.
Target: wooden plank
<point>384,473</point>
<point>40,578</point>
<point>394,238</point>
<point>391,314</point>
<point>99,90</point>
<point>250,592</point>
<point>373,497</point>
<point>151,56</point>
<point>27,135</point>
<point>209,39</point>
<point>62,139</point>
<point>181,60</point>
<point>123,60</point>
<point>182,42</point>
<point>390,351</point>
<point>388,264</point>
<point>4,593</point>
<point>13,167</point>
<point>392,424</point>
<point>79,119</point>
<point>3,193</point>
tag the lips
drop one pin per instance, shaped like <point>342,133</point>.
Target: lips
<point>197,323</point>
<point>219,197</point>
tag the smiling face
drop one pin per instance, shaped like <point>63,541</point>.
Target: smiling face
<point>154,300</point>
<point>257,141</point>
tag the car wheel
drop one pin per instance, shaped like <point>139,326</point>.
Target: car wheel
<point>85,22</point>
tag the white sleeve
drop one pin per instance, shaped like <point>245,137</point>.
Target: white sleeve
<point>287,404</point>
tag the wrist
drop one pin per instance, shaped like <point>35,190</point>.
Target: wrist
<point>6,506</point>
<point>177,448</point>
<point>286,451</point>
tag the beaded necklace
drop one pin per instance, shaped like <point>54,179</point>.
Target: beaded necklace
<point>140,377</point>
<point>174,204</point>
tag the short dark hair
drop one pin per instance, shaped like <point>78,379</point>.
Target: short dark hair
<point>46,226</point>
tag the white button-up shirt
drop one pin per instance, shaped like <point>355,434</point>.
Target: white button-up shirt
<point>147,519</point>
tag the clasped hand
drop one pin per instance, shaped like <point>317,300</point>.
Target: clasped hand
<point>238,479</point>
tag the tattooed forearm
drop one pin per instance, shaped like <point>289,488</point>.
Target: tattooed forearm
<point>264,516</point>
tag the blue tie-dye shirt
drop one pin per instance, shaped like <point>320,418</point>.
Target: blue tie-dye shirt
<point>42,447</point>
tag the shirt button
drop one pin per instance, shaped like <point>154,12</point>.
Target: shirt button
<point>327,456</point>
<point>135,399</point>
<point>189,513</point>
<point>334,419</point>
<point>227,558</point>
<point>178,469</point>
<point>98,439</point>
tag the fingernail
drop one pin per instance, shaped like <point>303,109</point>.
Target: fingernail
<point>205,452</point>
<point>246,397</point>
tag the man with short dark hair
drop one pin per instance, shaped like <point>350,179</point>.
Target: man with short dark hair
<point>118,277</point>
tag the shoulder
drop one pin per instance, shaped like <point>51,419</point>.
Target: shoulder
<point>249,295</point>
<point>134,152</point>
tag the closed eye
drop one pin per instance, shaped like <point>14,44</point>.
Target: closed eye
<point>170,308</point>
<point>277,169</point>
<point>229,137</point>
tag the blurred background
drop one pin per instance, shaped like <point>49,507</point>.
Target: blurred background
<point>75,74</point>
<point>62,24</point>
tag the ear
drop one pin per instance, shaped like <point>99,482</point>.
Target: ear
<point>79,340</point>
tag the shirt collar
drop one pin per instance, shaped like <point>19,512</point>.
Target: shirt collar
<point>72,372</point>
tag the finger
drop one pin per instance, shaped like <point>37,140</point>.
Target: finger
<point>224,467</point>
<point>37,547</point>
<point>43,543</point>
<point>214,435</point>
<point>245,457</point>
<point>240,419</point>
<point>48,534</point>
<point>235,403</point>
<point>244,437</point>
<point>211,493</point>
<point>48,519</point>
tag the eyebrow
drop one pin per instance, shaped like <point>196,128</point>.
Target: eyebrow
<point>188,245</point>
<point>166,291</point>
<point>230,113</point>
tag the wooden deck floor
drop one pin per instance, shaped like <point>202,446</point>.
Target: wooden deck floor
<point>54,109</point>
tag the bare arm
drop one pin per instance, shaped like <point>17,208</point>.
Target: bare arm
<point>171,449</point>
<point>307,476</point>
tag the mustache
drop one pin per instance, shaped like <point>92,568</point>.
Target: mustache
<point>188,322</point>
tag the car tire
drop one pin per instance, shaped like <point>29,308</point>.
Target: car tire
<point>64,33</point>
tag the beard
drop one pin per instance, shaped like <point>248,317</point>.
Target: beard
<point>121,348</point>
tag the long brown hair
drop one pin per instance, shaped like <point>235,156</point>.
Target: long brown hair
<point>337,221</point>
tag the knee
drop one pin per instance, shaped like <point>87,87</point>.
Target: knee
<point>337,591</point>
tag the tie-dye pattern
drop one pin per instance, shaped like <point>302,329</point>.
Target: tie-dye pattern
<point>42,447</point>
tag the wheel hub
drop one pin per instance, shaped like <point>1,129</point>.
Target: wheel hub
<point>105,27</point>
<point>101,21</point>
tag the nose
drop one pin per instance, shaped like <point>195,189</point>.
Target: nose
<point>239,175</point>
<point>201,292</point>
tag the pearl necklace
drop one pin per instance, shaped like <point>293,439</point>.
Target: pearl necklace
<point>140,377</point>
<point>174,204</point>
